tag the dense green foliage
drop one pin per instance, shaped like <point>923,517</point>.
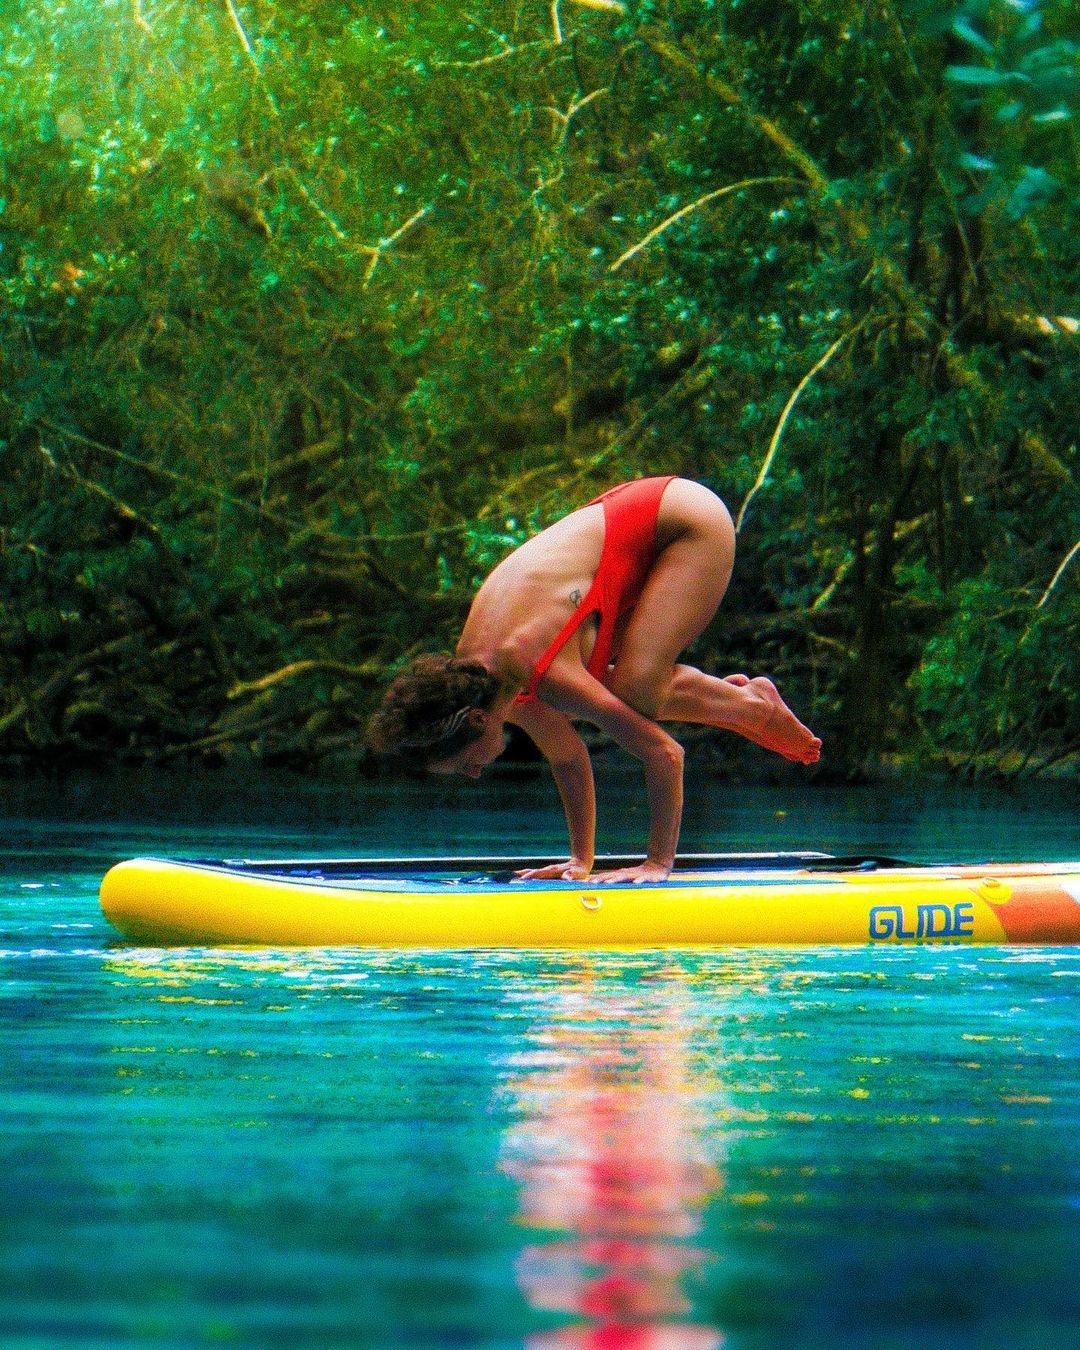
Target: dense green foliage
<point>310,309</point>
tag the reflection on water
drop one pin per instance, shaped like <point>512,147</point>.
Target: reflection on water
<point>759,1149</point>
<point>610,1165</point>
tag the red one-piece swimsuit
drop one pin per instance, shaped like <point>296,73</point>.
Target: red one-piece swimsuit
<point>630,512</point>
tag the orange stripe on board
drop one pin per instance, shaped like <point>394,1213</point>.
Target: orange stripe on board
<point>1034,910</point>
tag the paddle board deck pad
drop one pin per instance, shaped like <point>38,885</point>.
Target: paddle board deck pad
<point>710,900</point>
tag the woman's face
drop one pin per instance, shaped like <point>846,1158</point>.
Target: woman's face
<point>473,758</point>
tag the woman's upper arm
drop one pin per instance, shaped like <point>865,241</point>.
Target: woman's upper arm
<point>549,730</point>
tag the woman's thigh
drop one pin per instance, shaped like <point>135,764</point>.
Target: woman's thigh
<point>685,586</point>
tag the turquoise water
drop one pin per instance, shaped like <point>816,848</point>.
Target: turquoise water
<point>755,1149</point>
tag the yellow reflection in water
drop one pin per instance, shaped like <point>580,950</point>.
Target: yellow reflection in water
<point>608,1155</point>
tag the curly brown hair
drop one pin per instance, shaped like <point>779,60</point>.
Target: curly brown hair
<point>420,712</point>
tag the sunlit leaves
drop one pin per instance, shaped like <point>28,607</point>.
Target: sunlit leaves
<point>1025,87</point>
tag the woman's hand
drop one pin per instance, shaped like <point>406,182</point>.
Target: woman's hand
<point>571,870</point>
<point>641,875</point>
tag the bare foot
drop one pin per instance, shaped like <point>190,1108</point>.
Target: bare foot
<point>738,680</point>
<point>766,719</point>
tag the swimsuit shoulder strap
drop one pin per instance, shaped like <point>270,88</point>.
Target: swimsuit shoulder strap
<point>590,605</point>
<point>626,509</point>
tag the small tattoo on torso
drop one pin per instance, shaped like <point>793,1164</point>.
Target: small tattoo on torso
<point>575,596</point>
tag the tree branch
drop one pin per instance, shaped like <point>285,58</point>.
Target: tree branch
<point>290,672</point>
<point>774,444</point>
<point>1057,575</point>
<point>375,251</point>
<point>685,211</point>
<point>607,6</point>
<point>727,94</point>
<point>252,57</point>
<point>55,684</point>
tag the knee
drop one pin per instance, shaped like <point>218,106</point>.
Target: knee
<point>639,686</point>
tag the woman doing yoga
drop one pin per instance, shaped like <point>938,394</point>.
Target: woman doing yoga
<point>587,620</point>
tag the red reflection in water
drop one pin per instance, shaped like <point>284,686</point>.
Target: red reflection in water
<point>607,1158</point>
<point>613,1336</point>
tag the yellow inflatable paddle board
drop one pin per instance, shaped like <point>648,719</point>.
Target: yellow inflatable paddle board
<point>710,900</point>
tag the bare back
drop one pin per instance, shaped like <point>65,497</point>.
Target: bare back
<point>534,590</point>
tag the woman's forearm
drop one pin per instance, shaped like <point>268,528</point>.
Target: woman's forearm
<point>574,779</point>
<point>578,694</point>
<point>664,787</point>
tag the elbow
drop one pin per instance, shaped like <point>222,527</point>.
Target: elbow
<point>670,755</point>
